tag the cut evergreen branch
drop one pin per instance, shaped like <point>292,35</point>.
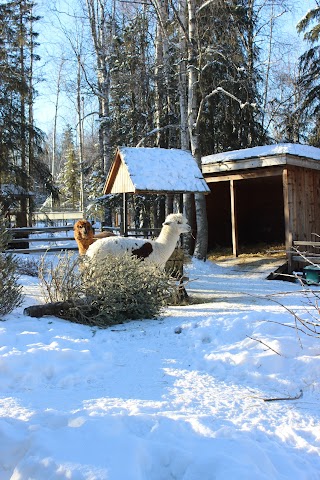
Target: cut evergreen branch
<point>123,288</point>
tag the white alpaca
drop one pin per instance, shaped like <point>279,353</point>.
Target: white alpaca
<point>156,251</point>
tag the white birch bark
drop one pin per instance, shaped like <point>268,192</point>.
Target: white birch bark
<point>103,44</point>
<point>157,89</point>
<point>201,245</point>
<point>188,198</point>
<point>80,137</point>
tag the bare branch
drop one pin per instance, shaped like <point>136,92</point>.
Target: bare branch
<point>297,397</point>
<point>225,92</point>
<point>156,130</point>
<point>260,341</point>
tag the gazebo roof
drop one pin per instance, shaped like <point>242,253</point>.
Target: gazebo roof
<point>154,170</point>
<point>265,156</point>
<point>14,191</point>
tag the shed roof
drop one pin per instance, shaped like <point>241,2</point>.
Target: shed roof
<point>137,170</point>
<point>264,156</point>
<point>16,191</point>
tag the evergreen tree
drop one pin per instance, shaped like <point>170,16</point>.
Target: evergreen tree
<point>10,290</point>
<point>20,141</point>
<point>227,60</point>
<point>131,101</point>
<point>310,72</point>
<point>69,178</point>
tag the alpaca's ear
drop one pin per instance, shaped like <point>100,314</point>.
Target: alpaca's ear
<point>167,222</point>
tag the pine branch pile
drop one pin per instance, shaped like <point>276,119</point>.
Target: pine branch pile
<point>123,288</point>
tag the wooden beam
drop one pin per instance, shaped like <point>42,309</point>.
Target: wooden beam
<point>243,164</point>
<point>263,172</point>
<point>234,220</point>
<point>305,243</point>
<point>43,240</point>
<point>40,250</point>
<point>258,163</point>
<point>65,228</point>
<point>112,173</point>
<point>287,217</point>
<point>305,259</point>
<point>124,223</point>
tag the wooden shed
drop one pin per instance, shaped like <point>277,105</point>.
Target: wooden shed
<point>268,194</point>
<point>153,170</point>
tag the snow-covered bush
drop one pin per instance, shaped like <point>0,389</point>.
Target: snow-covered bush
<point>122,288</point>
<point>60,279</point>
<point>28,266</point>
<point>10,290</point>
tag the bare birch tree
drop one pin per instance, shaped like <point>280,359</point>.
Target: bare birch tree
<point>101,16</point>
<point>201,245</point>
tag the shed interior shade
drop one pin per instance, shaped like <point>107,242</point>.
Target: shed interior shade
<point>158,170</point>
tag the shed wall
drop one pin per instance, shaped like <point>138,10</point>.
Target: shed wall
<point>303,203</point>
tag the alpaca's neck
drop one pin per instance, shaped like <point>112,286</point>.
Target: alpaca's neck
<point>84,244</point>
<point>167,241</point>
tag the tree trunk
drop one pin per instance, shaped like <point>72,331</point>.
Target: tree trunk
<point>57,309</point>
<point>103,42</point>
<point>30,119</point>
<point>80,138</point>
<point>56,107</point>
<point>22,217</point>
<point>103,46</point>
<point>188,198</point>
<point>193,127</point>
<point>157,85</point>
<point>163,100</point>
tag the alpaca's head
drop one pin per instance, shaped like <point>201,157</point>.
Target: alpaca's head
<point>83,230</point>
<point>178,222</point>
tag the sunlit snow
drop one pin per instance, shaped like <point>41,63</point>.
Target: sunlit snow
<point>180,397</point>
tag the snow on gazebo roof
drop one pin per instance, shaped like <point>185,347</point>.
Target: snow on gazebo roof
<point>267,155</point>
<point>138,169</point>
<point>11,190</point>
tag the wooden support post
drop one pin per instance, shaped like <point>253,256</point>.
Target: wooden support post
<point>287,219</point>
<point>124,220</point>
<point>234,220</point>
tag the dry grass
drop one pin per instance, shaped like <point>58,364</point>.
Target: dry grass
<point>249,253</point>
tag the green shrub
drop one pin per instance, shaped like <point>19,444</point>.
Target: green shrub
<point>10,290</point>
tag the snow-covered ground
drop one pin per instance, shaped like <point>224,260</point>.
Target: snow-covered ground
<point>181,397</point>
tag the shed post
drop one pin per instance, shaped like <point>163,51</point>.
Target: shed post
<point>124,219</point>
<point>234,220</point>
<point>287,217</point>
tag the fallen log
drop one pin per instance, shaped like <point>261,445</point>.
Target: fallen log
<point>56,309</point>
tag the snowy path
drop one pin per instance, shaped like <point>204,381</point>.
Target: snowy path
<point>176,398</point>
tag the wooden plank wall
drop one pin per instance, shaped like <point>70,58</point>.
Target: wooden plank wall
<point>304,202</point>
<point>122,182</point>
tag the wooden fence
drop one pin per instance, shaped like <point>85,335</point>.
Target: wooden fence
<point>24,236</point>
<point>303,252</point>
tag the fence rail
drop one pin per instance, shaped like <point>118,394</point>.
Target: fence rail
<point>22,236</point>
<point>297,256</point>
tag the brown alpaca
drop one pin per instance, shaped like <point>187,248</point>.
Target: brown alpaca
<point>85,236</point>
